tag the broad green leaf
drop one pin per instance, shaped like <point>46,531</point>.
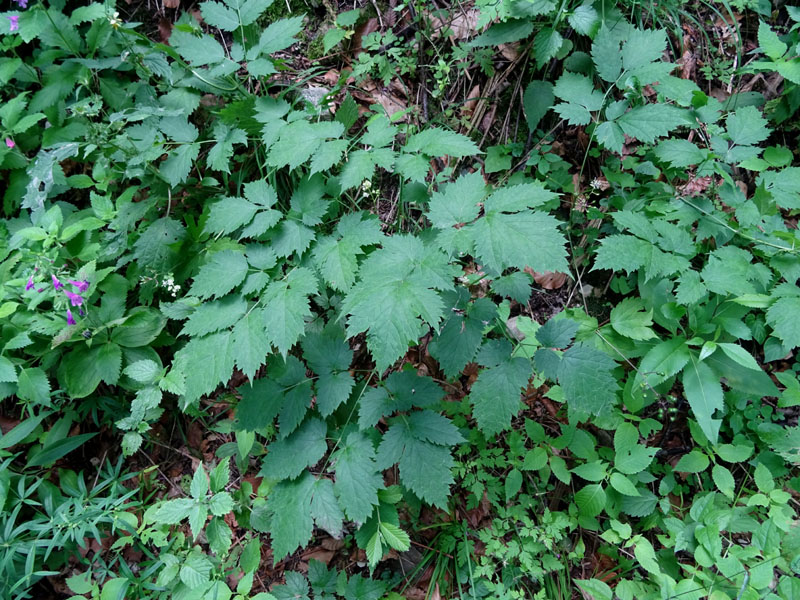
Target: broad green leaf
<point>724,481</point>
<point>740,355</point>
<point>357,478</point>
<point>596,589</point>
<point>591,500</point>
<point>395,537</point>
<point>630,456</point>
<point>546,45</point>
<point>457,203</point>
<point>207,362</point>
<point>287,307</point>
<point>693,462</point>
<point>770,43</point>
<point>458,340</point>
<point>174,511</point>
<point>623,485</point>
<point>223,272</point>
<point>250,342</point>
<point>279,35</point>
<point>8,372</point>
<point>336,256</point>
<point>434,141</point>
<point>704,394</point>
<point>495,395</point>
<point>197,50</point>
<point>219,157</point>
<point>325,508</point>
<point>289,456</point>
<point>585,377</point>
<point>291,523</point>
<point>33,386</point>
<point>651,121</point>
<point>195,570</point>
<point>746,126</point>
<point>629,318</point>
<point>82,370</point>
<point>782,317</point>
<point>219,15</point>
<point>536,101</point>
<point>662,361</point>
<point>679,153</point>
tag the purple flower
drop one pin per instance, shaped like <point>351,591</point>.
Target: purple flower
<point>56,283</point>
<point>14,22</point>
<point>10,143</point>
<point>22,3</point>
<point>75,299</point>
<point>70,320</point>
<point>81,285</point>
<point>29,285</point>
<point>40,290</point>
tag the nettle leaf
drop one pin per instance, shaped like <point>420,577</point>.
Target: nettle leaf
<point>628,253</point>
<point>336,256</point>
<point>401,391</point>
<point>425,466</point>
<point>357,477</point>
<point>579,96</point>
<point>287,307</point>
<point>435,141</point>
<point>289,456</point>
<point>197,50</point>
<point>679,153</point>
<point>219,157</point>
<point>457,203</point>
<point>495,395</point>
<point>747,127</point>
<point>299,140</point>
<point>396,295</point>
<point>213,316</point>
<point>208,361</point>
<point>782,317</point>
<point>223,272</point>
<point>457,342</point>
<point>325,508</point>
<point>250,342</point>
<point>291,523</point>
<point>509,235</point>
<point>584,375</point>
<point>329,356</point>
<point>704,394</point>
<point>651,121</point>
<point>219,15</point>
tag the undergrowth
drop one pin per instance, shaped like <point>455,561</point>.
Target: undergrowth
<point>506,309</point>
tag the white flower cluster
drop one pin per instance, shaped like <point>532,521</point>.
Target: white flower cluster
<point>169,283</point>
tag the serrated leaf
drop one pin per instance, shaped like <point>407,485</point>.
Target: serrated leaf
<point>628,318</point>
<point>457,202</point>
<point>395,537</point>
<point>325,509</point>
<point>199,486</point>
<point>623,485</point>
<point>174,511</point>
<point>435,141</point>
<point>357,477</point>
<point>782,317</point>
<point>584,374</point>
<point>223,272</point>
<point>336,256</point>
<point>287,307</point>
<point>291,523</point>
<point>33,386</point>
<point>228,214</point>
<point>651,121</point>
<point>746,126</point>
<point>144,371</point>
<point>536,101</point>
<point>250,342</point>
<point>197,50</point>
<point>213,316</point>
<point>591,500</point>
<point>693,462</point>
<point>219,15</point>
<point>630,456</point>
<point>219,157</point>
<point>662,361</point>
<point>770,43</point>
<point>209,361</point>
<point>679,153</point>
<point>288,457</point>
<point>495,395</point>
<point>195,570</point>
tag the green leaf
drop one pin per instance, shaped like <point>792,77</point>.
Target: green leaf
<point>631,457</point>
<point>260,404</point>
<point>740,355</point>
<point>639,506</point>
<point>219,15</point>
<point>220,504</point>
<point>143,371</point>
<point>495,395</point>
<point>279,35</point>
<point>704,394</point>
<point>782,317</point>
<point>52,452</point>
<point>662,361</point>
<point>287,307</point>
<point>536,101</point>
<point>395,297</point>
<point>623,485</point>
<point>425,469</point>
<point>395,537</point>
<point>329,356</point>
<point>8,372</point>
<point>557,333</point>
<point>628,318</point>
<point>460,337</point>
<point>457,202</point>
<point>197,50</point>
<point>219,536</point>
<point>591,500</point>
<point>223,272</point>
<point>770,43</point>
<point>435,141</point>
<point>325,509</point>
<point>679,153</point>
<point>357,478</point>
<point>81,371</point>
<point>336,256</point>
<point>229,214</point>
<point>208,360</point>
<point>579,96</point>
<point>522,239</point>
<point>586,379</point>
<point>199,486</point>
<point>219,157</point>
<point>763,478</point>
<point>250,342</point>
<point>546,45</point>
<point>596,589</point>
<point>505,32</point>
<point>33,386</point>
<point>651,121</point>
<point>374,549</point>
<point>402,391</point>
<point>693,462</point>
<point>747,127</point>
<point>176,168</point>
<point>288,457</point>
<point>724,481</point>
<point>291,523</point>
<point>173,512</point>
<point>195,570</point>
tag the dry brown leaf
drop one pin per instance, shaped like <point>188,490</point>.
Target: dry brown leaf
<point>509,51</point>
<point>462,25</point>
<point>472,101</point>
<point>171,3</point>
<point>550,280</point>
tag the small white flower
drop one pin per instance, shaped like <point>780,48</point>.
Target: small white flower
<point>114,20</point>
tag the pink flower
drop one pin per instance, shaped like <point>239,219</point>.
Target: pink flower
<point>70,319</point>
<point>75,299</point>
<point>81,285</point>
<point>10,143</point>
<point>29,285</point>
<point>56,283</point>
<point>14,19</point>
